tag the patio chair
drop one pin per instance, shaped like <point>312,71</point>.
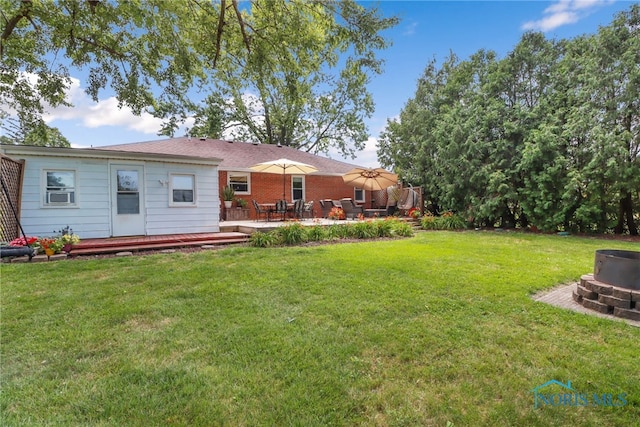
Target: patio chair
<point>308,210</point>
<point>298,207</point>
<point>261,212</point>
<point>281,208</point>
<point>350,208</point>
<point>326,206</point>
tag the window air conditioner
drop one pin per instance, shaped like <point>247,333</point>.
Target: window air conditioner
<point>58,197</point>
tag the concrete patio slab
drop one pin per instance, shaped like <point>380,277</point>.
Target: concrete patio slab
<point>561,296</point>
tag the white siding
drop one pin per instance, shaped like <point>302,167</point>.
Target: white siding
<point>162,218</point>
<point>91,217</point>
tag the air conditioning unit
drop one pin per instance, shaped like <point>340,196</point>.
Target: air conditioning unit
<point>58,197</point>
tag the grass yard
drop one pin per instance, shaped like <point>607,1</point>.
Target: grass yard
<point>438,329</point>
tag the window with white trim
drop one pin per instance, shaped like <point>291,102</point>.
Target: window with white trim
<point>297,187</point>
<point>60,188</point>
<point>183,189</point>
<point>239,181</point>
<point>359,195</point>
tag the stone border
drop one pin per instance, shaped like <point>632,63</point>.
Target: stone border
<point>37,258</point>
<point>607,299</point>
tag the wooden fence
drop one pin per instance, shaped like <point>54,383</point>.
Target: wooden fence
<point>11,174</point>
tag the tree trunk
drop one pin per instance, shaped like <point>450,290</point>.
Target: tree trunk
<point>626,210</point>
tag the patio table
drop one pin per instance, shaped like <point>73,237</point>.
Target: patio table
<point>271,207</point>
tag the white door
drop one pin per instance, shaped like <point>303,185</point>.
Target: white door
<point>127,196</point>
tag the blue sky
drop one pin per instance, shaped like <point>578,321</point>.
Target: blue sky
<point>427,30</point>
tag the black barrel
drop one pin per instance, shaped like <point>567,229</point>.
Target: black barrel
<point>618,268</point>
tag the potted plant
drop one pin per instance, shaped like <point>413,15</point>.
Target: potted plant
<point>50,245</point>
<point>227,195</point>
<point>337,213</point>
<point>241,203</point>
<point>68,240</point>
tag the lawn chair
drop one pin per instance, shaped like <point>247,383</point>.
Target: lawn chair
<point>350,208</point>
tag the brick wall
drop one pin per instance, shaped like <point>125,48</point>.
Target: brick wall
<point>267,188</point>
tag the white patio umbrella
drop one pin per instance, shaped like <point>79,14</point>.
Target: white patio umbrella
<point>284,167</point>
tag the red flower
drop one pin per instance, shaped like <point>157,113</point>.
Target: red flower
<point>20,241</point>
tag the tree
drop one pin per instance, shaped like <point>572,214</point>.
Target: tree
<point>152,53</point>
<point>547,136</point>
<point>304,87</point>
<point>614,96</point>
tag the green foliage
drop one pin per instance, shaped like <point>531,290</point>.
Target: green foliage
<point>336,231</point>
<point>308,68</point>
<point>403,229</point>
<point>228,193</point>
<point>385,227</point>
<point>363,230</point>
<point>292,234</point>
<point>262,240</point>
<point>308,64</point>
<point>547,136</point>
<point>447,221</point>
<point>296,233</point>
<point>316,233</point>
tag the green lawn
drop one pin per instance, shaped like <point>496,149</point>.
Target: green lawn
<point>439,329</point>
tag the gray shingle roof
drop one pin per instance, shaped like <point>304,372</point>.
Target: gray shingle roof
<point>237,156</point>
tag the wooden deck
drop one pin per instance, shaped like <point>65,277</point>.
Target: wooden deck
<point>231,232</point>
<point>167,241</point>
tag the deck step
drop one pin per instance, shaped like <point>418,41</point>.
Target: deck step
<point>106,246</point>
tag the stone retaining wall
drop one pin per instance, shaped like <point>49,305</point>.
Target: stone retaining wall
<point>607,299</point>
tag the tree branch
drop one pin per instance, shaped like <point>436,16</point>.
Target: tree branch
<point>11,23</point>
<point>245,37</point>
<point>219,32</point>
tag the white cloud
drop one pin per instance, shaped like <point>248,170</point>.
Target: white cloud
<point>564,12</point>
<point>105,112</point>
<point>367,157</point>
<point>410,29</point>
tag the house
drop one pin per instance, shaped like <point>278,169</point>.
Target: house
<point>102,193</point>
<point>238,157</point>
<point>167,186</point>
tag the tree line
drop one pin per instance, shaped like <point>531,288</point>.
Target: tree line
<point>546,137</point>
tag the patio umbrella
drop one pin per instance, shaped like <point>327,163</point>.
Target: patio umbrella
<point>370,178</point>
<point>284,167</point>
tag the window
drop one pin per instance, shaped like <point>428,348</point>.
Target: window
<point>183,189</point>
<point>128,192</point>
<point>60,188</point>
<point>297,187</point>
<point>358,195</point>
<point>239,182</point>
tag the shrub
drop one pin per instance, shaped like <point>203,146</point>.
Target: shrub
<point>448,221</point>
<point>364,230</point>
<point>261,240</point>
<point>316,233</point>
<point>402,228</point>
<point>385,227</point>
<point>336,231</point>
<point>291,234</point>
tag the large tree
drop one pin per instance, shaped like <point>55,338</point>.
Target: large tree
<point>152,53</point>
<point>548,136</point>
<point>303,87</point>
